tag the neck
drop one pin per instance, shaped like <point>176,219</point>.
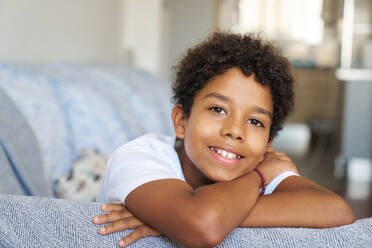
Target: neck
<point>194,177</point>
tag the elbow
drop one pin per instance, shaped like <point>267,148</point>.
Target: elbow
<point>208,231</point>
<point>344,215</point>
<point>350,219</point>
<point>206,240</point>
<point>211,238</point>
<point>345,218</point>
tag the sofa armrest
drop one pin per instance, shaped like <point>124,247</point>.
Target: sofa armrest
<point>48,222</point>
<point>21,164</point>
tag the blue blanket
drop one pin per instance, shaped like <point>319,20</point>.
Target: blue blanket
<point>70,107</point>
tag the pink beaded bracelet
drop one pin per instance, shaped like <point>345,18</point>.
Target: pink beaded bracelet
<point>263,181</point>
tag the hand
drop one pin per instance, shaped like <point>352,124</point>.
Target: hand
<point>274,163</point>
<point>121,219</point>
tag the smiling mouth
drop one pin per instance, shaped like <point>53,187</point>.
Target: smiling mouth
<point>224,153</point>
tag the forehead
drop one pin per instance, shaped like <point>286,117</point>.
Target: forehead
<point>242,90</point>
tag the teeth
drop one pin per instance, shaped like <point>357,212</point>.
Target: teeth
<point>226,154</point>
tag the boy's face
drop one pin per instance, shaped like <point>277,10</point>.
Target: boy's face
<point>228,129</point>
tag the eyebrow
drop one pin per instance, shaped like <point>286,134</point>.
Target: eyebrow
<point>224,98</point>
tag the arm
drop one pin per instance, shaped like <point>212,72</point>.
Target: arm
<point>196,223</point>
<point>197,218</point>
<point>202,217</point>
<point>299,202</point>
<point>205,216</point>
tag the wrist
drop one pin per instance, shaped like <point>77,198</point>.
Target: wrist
<point>254,178</point>
<point>262,180</point>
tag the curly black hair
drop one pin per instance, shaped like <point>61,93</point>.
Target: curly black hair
<point>224,50</point>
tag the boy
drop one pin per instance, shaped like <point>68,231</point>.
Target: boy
<point>232,94</point>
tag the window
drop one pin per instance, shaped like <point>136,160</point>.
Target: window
<point>283,20</point>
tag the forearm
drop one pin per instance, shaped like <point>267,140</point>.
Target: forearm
<point>201,217</point>
<point>306,207</point>
<point>229,202</point>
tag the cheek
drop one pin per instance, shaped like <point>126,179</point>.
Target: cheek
<point>255,155</point>
<point>200,129</point>
<point>199,133</point>
<point>257,146</point>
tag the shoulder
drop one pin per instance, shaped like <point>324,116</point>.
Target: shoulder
<point>151,150</point>
<point>152,146</point>
<point>147,158</point>
<point>147,143</point>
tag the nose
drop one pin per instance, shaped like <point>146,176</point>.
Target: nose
<point>233,129</point>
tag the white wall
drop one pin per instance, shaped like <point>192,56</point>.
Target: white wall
<point>144,36</point>
<point>156,33</point>
<point>60,30</point>
<point>189,22</point>
<point>150,34</point>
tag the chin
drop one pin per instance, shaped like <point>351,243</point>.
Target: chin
<point>223,178</point>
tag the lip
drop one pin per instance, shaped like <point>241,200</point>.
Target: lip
<point>230,162</point>
<point>226,148</point>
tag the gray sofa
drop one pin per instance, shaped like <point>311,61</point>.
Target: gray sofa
<point>48,113</point>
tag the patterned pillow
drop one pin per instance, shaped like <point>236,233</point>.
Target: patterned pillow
<point>85,177</point>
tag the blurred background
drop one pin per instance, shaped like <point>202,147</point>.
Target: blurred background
<point>329,43</point>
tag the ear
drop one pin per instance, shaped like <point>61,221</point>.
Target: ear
<point>268,147</point>
<point>178,119</point>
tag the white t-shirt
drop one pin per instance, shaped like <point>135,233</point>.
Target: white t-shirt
<point>145,159</point>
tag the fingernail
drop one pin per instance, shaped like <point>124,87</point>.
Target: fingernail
<point>102,230</point>
<point>95,219</point>
<point>121,243</point>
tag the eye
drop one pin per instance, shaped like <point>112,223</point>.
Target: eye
<point>255,122</point>
<point>218,110</point>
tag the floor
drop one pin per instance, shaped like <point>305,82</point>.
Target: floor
<point>318,166</point>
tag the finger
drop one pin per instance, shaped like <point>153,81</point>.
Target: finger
<point>138,233</point>
<point>111,216</point>
<point>112,207</point>
<point>120,225</point>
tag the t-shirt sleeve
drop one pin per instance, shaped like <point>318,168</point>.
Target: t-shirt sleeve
<point>130,168</point>
<point>277,180</point>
